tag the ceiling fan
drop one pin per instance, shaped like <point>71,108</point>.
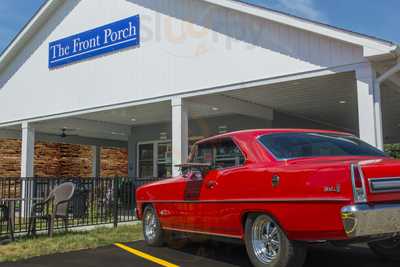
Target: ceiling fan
<point>64,134</point>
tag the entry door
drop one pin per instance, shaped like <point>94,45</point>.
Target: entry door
<point>146,160</point>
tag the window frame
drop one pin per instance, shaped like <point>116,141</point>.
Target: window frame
<point>286,159</point>
<point>214,142</point>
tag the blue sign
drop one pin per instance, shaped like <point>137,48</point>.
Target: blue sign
<point>111,37</point>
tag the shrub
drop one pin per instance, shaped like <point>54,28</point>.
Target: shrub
<point>393,150</point>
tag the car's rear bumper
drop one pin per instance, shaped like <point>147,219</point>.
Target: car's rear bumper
<point>368,220</point>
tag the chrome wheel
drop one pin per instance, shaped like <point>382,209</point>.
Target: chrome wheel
<point>266,240</point>
<point>150,225</point>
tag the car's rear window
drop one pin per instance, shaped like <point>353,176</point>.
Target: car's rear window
<point>299,145</point>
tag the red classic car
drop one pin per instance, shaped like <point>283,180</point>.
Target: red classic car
<point>279,190</point>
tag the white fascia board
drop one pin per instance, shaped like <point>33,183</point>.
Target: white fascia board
<point>200,92</point>
<point>372,47</point>
<point>29,31</point>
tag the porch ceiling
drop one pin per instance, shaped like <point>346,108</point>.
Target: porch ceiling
<point>149,114</point>
<point>331,100</point>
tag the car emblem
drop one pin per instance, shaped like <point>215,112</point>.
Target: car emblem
<point>332,189</point>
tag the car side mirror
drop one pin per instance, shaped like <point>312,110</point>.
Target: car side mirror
<point>195,175</point>
<point>194,170</point>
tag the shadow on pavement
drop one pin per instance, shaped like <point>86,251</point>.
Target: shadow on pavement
<point>318,256</point>
<point>198,254</point>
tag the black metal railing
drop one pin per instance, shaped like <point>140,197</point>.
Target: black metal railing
<point>97,200</point>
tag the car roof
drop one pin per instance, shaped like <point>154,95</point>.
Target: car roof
<point>258,132</point>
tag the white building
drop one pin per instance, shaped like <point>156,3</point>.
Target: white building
<point>196,68</point>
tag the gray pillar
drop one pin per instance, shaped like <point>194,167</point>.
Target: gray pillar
<point>96,161</point>
<point>132,151</point>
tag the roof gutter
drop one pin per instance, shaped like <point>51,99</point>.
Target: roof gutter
<point>393,70</point>
<point>377,97</point>
<point>373,47</point>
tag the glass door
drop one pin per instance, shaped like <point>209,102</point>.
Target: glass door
<point>146,160</point>
<point>164,160</point>
<point>155,158</point>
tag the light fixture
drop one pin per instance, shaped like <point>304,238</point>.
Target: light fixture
<point>133,120</point>
<point>117,133</point>
<point>222,129</point>
<point>342,102</point>
<point>215,108</point>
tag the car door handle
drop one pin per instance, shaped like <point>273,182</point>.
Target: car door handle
<point>212,184</point>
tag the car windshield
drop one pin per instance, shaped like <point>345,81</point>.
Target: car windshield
<point>300,145</point>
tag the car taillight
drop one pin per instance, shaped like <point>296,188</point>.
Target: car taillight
<point>357,176</point>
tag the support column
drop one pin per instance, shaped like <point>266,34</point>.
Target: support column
<point>378,102</point>
<point>132,151</point>
<point>27,150</point>
<point>378,116</point>
<point>365,95</point>
<point>96,161</point>
<point>27,167</point>
<point>180,129</point>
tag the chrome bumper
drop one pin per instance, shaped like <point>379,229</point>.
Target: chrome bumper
<point>369,220</point>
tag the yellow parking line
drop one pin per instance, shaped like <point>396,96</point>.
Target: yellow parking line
<point>146,256</point>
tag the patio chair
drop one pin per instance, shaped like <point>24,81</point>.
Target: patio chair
<point>60,197</point>
<point>6,217</point>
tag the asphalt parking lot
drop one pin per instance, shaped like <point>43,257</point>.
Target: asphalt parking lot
<point>195,255</point>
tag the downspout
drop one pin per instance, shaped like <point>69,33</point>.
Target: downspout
<point>377,98</point>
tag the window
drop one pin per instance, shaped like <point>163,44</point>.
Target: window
<point>299,145</point>
<point>221,154</point>
<point>146,156</point>
<point>164,160</point>
<point>155,158</point>
<point>204,153</point>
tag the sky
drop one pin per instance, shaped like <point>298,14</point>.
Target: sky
<point>377,18</point>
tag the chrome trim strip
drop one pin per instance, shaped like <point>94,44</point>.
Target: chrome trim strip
<point>201,232</point>
<point>264,200</point>
<point>384,185</point>
<point>360,171</point>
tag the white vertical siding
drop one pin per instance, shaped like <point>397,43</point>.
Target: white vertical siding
<point>221,47</point>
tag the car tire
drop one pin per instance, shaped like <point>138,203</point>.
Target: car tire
<point>152,231</point>
<point>387,249</point>
<point>268,246</point>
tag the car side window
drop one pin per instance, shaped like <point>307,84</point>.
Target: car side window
<point>221,154</point>
<point>204,153</point>
<point>227,154</point>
